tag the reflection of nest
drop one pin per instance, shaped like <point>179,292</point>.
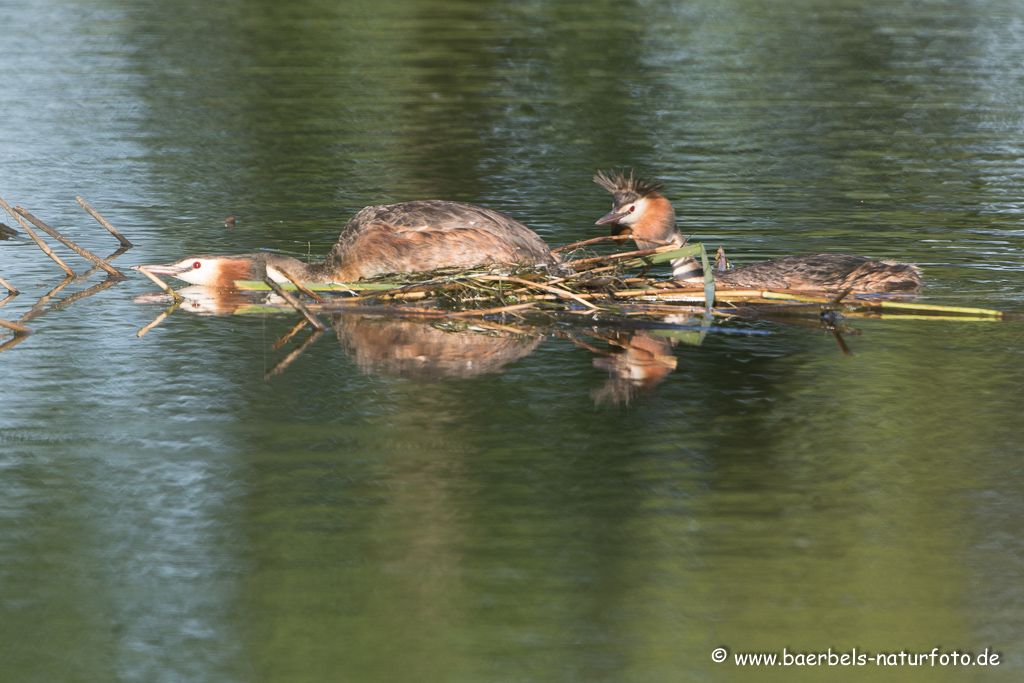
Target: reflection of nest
<point>419,350</point>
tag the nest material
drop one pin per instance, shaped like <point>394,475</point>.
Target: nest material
<point>603,285</point>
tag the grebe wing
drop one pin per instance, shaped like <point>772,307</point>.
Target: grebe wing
<point>826,271</point>
<point>823,268</point>
<point>378,248</point>
<point>438,213</point>
<point>432,220</point>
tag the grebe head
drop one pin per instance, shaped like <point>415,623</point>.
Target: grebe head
<point>210,271</point>
<point>638,209</point>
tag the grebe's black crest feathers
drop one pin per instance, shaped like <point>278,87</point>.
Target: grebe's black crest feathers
<point>626,188</point>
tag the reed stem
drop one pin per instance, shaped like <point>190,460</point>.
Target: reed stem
<point>38,240</point>
<point>20,329</point>
<point>296,304</point>
<point>103,221</point>
<point>84,253</point>
<point>160,283</point>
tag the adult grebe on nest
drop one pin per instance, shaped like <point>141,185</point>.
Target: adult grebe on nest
<point>395,238</point>
<point>638,210</point>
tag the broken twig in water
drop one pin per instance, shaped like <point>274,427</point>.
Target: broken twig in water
<point>159,318</point>
<point>287,335</point>
<point>287,360</point>
<point>95,289</point>
<point>103,221</point>
<point>109,259</point>
<point>842,342</point>
<point>296,304</point>
<point>8,286</point>
<point>302,288</point>
<point>19,329</point>
<point>160,283</point>
<point>17,339</point>
<point>84,253</point>
<point>38,240</point>
<point>37,310</point>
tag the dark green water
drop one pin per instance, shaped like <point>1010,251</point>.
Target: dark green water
<point>170,515</point>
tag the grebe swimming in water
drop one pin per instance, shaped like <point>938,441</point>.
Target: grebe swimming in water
<point>394,238</point>
<point>638,210</point>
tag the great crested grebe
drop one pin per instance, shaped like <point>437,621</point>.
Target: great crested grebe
<point>393,238</point>
<point>638,210</point>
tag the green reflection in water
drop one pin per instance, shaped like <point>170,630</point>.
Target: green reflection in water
<point>174,516</point>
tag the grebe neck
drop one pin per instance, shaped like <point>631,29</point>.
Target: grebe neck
<point>659,222</point>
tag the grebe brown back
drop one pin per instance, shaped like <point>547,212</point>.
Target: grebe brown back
<point>395,238</point>
<point>638,210</point>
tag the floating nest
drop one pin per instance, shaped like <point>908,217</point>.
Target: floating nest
<point>610,291</point>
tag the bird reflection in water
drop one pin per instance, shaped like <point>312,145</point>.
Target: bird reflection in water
<point>413,349</point>
<point>636,362</point>
<point>208,301</point>
<point>390,346</point>
<point>386,345</point>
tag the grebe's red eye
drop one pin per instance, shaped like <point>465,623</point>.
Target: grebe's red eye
<point>197,265</point>
<point>632,209</point>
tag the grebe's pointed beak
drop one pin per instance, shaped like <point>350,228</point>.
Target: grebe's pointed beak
<point>610,218</point>
<point>172,269</point>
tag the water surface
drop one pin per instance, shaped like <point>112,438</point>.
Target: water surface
<point>170,514</point>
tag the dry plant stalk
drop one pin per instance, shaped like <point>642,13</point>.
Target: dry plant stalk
<point>38,240</point>
<point>296,304</point>
<point>287,360</point>
<point>67,301</point>
<point>159,319</point>
<point>15,340</point>
<point>493,311</point>
<point>595,240</point>
<point>84,253</point>
<point>537,285</point>
<point>20,329</point>
<point>288,335</point>
<point>160,283</point>
<point>103,221</point>
<point>303,288</point>
<point>37,309</point>
<point>625,255</point>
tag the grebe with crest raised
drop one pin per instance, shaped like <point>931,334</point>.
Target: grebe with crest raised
<point>394,238</point>
<point>638,210</point>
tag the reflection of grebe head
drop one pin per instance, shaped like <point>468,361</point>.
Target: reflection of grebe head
<point>638,209</point>
<point>203,300</point>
